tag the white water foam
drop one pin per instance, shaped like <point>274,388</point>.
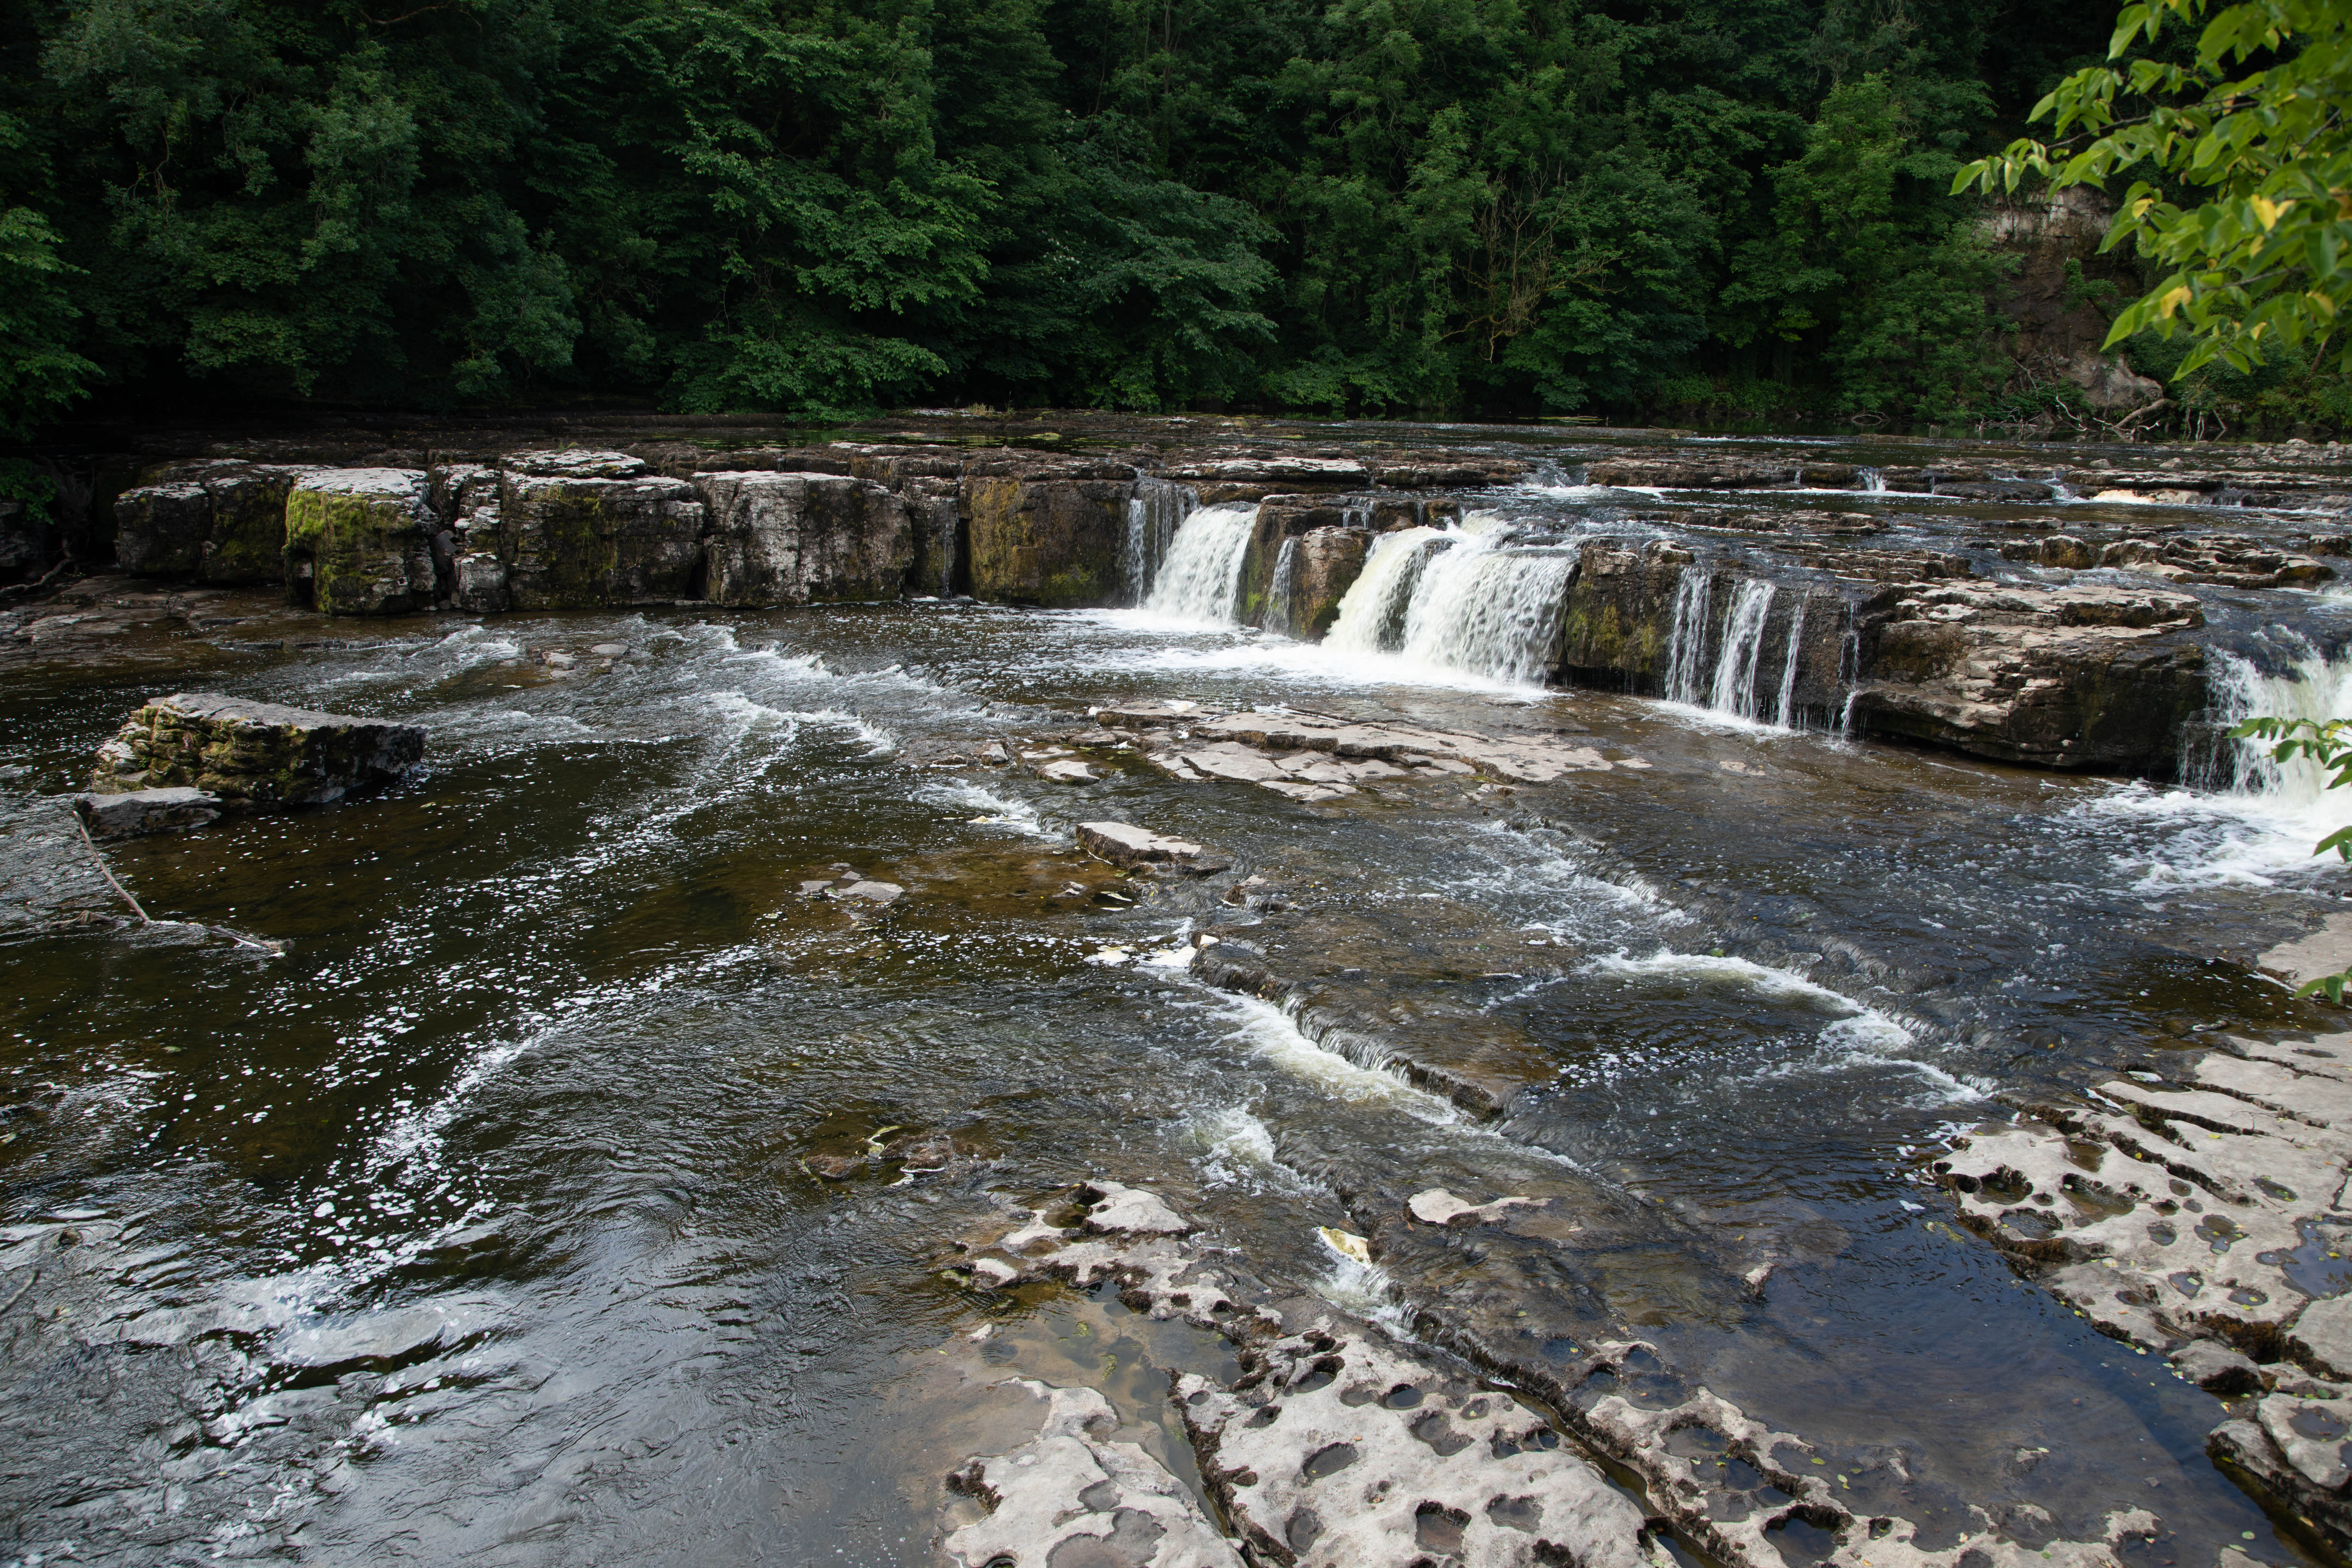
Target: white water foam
<point>1199,582</point>
<point>1456,601</point>
<point>2253,819</point>
<point>1270,1034</point>
<point>989,809</point>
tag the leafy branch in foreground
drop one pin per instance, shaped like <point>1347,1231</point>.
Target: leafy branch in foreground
<point>2329,743</point>
<point>2264,258</point>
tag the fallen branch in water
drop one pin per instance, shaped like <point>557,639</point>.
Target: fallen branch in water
<point>107,871</point>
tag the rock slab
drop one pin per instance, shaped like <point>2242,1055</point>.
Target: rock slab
<point>145,811</point>
<point>253,754</point>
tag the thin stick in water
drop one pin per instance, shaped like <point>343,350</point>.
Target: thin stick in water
<point>106,871</point>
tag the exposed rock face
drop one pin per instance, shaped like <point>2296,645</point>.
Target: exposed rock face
<point>253,753</point>
<point>2109,384</point>
<point>1329,560</point>
<point>357,542</point>
<point>2081,676</point>
<point>1072,1494</point>
<point>145,811</point>
<point>797,539</point>
<point>2224,559</point>
<point>2197,1222</point>
<point>1705,473</point>
<point>579,529</point>
<point>218,523</point>
<point>1056,538</point>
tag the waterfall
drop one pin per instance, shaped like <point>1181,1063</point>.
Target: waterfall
<point>1453,600</point>
<point>1786,716</point>
<point>1154,513</point>
<point>1873,481</point>
<point>1490,612</point>
<point>1201,580</point>
<point>1372,612</point>
<point>2310,685</point>
<point>1721,668</point>
<point>1686,645</point>
<point>1734,688</point>
<point>1284,591</point>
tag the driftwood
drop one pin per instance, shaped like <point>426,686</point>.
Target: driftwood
<point>275,950</point>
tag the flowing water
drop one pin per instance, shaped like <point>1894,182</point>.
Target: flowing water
<point>479,1224</point>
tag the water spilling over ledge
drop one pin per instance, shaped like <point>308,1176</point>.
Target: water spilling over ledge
<point>724,1063</point>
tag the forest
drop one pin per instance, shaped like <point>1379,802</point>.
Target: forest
<point>1696,210</point>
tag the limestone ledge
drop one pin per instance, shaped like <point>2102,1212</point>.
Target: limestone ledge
<point>1339,1446</point>
<point>2202,1217</point>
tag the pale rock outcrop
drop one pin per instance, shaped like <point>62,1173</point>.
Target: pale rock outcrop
<point>357,542</point>
<point>580,529</point>
<point>804,537</point>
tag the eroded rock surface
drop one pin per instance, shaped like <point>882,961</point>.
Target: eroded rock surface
<point>1074,1494</point>
<point>2202,1217</point>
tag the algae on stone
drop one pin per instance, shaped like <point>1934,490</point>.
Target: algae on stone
<point>355,542</point>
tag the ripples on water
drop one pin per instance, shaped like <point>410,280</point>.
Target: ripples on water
<point>520,1114</point>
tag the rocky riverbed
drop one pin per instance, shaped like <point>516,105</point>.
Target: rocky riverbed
<point>1535,1063</point>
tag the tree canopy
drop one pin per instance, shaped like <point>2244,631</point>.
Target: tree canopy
<point>1490,207</point>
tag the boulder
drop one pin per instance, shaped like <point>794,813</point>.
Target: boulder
<point>356,542</point>
<point>582,529</point>
<point>802,538</point>
<point>1330,561</point>
<point>145,811</point>
<point>253,754</point>
<point>217,521</point>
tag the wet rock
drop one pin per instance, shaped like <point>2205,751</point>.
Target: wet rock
<point>801,538</point>
<point>1148,715</point>
<point>1067,770</point>
<point>1700,473</point>
<point>2216,1369</point>
<point>2222,560</point>
<point>1073,1495</point>
<point>1119,1210</point>
<point>131,811</point>
<point>2200,1214</point>
<point>1335,1450</point>
<point>356,542</point>
<point>1124,844</point>
<point>2060,550</point>
<point>2327,951</point>
<point>1438,1206</point>
<point>832,1167</point>
<point>583,530</point>
<point>2081,676</point>
<point>253,753</point>
<point>878,894</point>
<point>1235,747</point>
<point>160,530</point>
<point>1056,537</point>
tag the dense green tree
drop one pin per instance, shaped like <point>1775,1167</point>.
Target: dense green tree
<point>1503,206</point>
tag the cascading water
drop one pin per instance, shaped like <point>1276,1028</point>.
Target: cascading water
<point>1686,642</point>
<point>1734,688</point>
<point>1284,590</point>
<point>1372,612</point>
<point>1201,580</point>
<point>1453,600</point>
<point>2308,684</point>
<point>1721,668</point>
<point>1873,481</point>
<point>1489,612</point>
<point>1786,714</point>
<point>1154,513</point>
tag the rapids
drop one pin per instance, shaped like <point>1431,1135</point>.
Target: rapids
<point>479,1224</point>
